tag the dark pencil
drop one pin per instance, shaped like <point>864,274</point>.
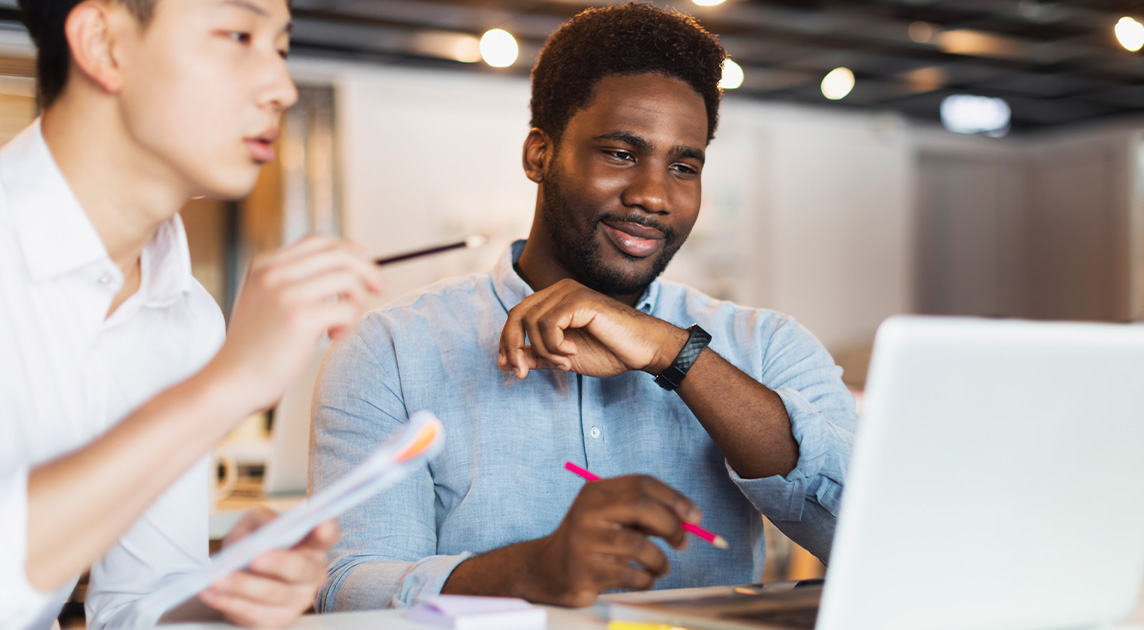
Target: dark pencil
<point>472,241</point>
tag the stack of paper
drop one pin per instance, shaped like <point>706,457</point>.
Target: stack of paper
<point>463,612</point>
<point>408,448</point>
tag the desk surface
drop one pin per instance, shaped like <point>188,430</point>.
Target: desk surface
<point>558,619</point>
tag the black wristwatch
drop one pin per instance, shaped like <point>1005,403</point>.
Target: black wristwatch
<point>697,340</point>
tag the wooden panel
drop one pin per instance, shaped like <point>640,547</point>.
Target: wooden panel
<point>969,242</point>
<point>1071,231</point>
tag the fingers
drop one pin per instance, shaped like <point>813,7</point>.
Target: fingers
<point>311,261</point>
<point>250,521</point>
<point>334,256</point>
<point>279,585</point>
<point>322,537</point>
<point>605,540</point>
<point>533,362</point>
<point>680,505</point>
<point>537,320</point>
<point>618,573</point>
<point>629,545</point>
<point>247,612</point>
<point>643,502</point>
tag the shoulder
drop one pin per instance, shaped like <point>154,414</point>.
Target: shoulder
<point>201,323</point>
<point>202,306</point>
<point>735,329</point>
<point>682,302</point>
<point>451,300</point>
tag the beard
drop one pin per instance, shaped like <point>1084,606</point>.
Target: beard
<point>579,251</point>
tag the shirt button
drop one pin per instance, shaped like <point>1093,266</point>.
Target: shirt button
<point>104,279</point>
<point>594,432</point>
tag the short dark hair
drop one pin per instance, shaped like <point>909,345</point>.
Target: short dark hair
<point>45,20</point>
<point>634,38</point>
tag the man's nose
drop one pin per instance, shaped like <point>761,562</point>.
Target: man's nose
<point>648,190</point>
<point>280,93</point>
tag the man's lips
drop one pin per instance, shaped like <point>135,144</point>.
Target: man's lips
<point>260,149</point>
<point>633,239</point>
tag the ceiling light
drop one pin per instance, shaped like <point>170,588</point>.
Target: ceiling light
<point>963,113</point>
<point>707,3</point>
<point>921,32</point>
<point>1130,33</point>
<point>732,75</point>
<point>458,46</point>
<point>838,83</point>
<point>498,48</point>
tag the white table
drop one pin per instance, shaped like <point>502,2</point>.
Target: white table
<point>558,619</point>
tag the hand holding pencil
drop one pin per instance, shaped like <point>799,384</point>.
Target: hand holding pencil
<point>692,528</point>
<point>604,541</point>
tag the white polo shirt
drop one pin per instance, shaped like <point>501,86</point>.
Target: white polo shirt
<point>67,374</point>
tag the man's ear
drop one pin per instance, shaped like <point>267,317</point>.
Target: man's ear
<point>91,29</point>
<point>538,151</point>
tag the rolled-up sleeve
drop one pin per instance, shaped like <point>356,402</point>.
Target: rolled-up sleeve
<point>804,503</point>
<point>21,605</point>
<point>387,556</point>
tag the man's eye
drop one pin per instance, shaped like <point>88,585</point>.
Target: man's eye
<point>686,169</point>
<point>621,155</point>
<point>240,37</point>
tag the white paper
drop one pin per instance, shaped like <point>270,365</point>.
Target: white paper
<point>381,471</point>
<point>467,612</point>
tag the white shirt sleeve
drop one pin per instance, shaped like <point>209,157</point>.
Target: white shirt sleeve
<point>21,605</point>
<point>168,541</point>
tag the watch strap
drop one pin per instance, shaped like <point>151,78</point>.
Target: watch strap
<point>697,340</point>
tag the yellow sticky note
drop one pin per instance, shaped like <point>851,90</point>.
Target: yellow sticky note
<point>617,624</point>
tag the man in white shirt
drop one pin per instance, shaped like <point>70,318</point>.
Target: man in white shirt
<point>115,379</point>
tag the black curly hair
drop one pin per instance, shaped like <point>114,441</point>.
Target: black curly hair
<point>633,38</point>
<point>45,20</point>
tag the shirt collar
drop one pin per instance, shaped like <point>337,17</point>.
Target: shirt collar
<point>167,261</point>
<point>511,289</point>
<point>56,237</point>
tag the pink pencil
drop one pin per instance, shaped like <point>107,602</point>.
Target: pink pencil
<point>710,537</point>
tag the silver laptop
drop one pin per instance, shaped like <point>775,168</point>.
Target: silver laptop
<point>997,481</point>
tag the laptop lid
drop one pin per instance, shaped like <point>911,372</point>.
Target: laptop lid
<point>997,480</point>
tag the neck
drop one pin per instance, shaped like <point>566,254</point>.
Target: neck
<point>116,181</point>
<point>539,266</point>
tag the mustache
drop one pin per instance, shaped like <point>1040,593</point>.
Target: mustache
<point>639,219</point>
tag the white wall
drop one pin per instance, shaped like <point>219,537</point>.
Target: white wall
<point>1047,227</point>
<point>806,212</point>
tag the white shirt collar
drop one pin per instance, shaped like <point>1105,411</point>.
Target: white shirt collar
<point>56,235</point>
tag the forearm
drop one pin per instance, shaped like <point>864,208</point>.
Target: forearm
<point>104,487</point>
<point>745,419</point>
<point>504,572</point>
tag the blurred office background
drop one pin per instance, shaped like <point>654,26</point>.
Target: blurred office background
<point>975,157</point>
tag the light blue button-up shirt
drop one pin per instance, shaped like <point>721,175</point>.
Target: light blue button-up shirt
<point>500,479</point>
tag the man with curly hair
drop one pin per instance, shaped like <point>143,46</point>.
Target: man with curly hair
<point>572,350</point>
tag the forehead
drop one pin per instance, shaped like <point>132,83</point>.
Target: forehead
<point>272,11</point>
<point>650,104</point>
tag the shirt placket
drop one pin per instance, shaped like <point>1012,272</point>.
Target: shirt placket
<point>593,429</point>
